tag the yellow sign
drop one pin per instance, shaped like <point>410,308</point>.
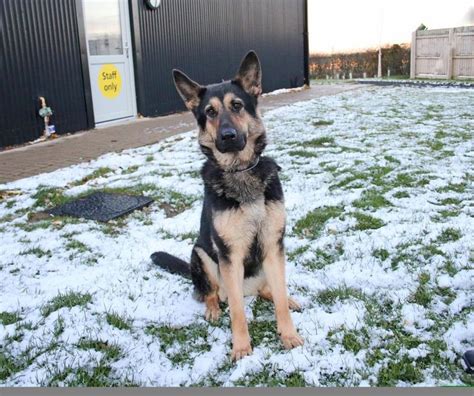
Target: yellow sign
<point>110,82</point>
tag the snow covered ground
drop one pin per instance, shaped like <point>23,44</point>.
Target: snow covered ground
<point>379,195</point>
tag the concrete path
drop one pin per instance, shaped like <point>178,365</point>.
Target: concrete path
<point>30,160</point>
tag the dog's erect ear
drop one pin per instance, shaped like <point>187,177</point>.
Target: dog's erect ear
<point>188,89</point>
<point>249,75</point>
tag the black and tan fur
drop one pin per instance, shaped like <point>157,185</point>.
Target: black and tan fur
<point>240,248</point>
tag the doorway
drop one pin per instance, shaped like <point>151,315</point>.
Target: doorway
<point>109,52</point>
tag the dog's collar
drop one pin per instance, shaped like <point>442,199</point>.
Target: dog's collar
<point>246,169</point>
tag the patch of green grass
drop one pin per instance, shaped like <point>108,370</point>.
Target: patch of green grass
<point>391,158</point>
<point>178,202</point>
<point>435,145</point>
<point>423,295</point>
<point>150,158</point>
<point>130,169</point>
<point>446,293</point>
<point>58,327</point>
<point>429,251</point>
<point>323,258</point>
<point>319,123</point>
<point>270,377</point>
<point>319,142</point>
<point>445,154</point>
<point>449,235</point>
<point>49,196</point>
<point>404,180</point>
<point>450,268</point>
<point>404,255</point>
<point>440,134</point>
<point>412,255</point>
<point>401,194</point>
<point>381,254</point>
<point>195,173</point>
<point>294,254</point>
<point>74,244</point>
<point>445,214</point>
<point>67,300</point>
<point>8,366</point>
<point>111,351</point>
<point>371,199</point>
<point>192,235</point>
<point>302,153</point>
<point>185,342</point>
<point>348,181</point>
<point>8,318</point>
<point>7,218</point>
<point>115,320</point>
<point>312,224</point>
<point>57,222</point>
<point>453,187</point>
<point>402,370</point>
<point>330,296</point>
<point>98,376</point>
<point>378,174</point>
<point>351,342</point>
<point>137,189</point>
<point>38,252</point>
<point>367,222</point>
<point>94,175</point>
<point>374,175</point>
<point>263,332</point>
<point>450,201</point>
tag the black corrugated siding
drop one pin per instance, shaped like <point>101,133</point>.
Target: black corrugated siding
<point>208,38</point>
<point>39,56</point>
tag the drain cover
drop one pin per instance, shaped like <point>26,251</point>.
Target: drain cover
<point>102,206</point>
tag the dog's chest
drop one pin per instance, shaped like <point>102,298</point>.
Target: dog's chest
<point>243,187</point>
<point>238,226</point>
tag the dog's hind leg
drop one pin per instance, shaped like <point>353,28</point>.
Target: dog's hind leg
<point>211,273</point>
<point>266,294</point>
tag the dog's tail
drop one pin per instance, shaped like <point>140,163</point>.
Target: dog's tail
<point>172,264</point>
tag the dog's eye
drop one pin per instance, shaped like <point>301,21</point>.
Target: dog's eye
<point>237,106</point>
<point>211,113</point>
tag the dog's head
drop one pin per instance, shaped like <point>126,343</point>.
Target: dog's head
<point>231,132</point>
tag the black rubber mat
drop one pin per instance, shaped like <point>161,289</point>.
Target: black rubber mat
<point>102,206</point>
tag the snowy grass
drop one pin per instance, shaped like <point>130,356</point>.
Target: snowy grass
<point>379,194</point>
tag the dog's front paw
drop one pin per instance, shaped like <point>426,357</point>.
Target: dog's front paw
<point>240,350</point>
<point>291,340</point>
<point>294,305</point>
<point>213,313</point>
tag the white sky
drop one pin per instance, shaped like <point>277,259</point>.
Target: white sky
<point>347,25</point>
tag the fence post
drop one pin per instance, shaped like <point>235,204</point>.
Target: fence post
<point>450,54</point>
<point>413,55</point>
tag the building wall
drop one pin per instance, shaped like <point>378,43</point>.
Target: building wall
<point>39,56</point>
<point>43,53</point>
<point>207,40</point>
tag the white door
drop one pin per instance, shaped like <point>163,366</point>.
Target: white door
<point>110,59</point>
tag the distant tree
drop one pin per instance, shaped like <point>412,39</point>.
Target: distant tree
<point>395,57</point>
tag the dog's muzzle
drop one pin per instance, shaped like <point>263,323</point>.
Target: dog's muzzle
<point>230,140</point>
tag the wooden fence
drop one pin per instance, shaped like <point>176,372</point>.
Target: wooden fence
<point>443,53</point>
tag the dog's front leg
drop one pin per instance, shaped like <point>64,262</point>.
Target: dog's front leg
<point>274,268</point>
<point>233,278</point>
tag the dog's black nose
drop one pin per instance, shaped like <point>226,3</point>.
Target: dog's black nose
<point>228,134</point>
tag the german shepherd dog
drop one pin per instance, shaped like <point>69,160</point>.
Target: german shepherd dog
<point>240,249</point>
